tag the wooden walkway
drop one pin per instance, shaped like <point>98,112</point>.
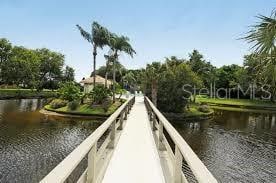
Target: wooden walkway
<point>135,157</point>
<point>134,148</point>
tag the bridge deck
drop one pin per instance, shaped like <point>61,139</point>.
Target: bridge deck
<point>135,158</point>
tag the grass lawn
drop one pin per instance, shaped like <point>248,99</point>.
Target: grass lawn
<point>86,109</point>
<point>25,93</point>
<point>238,102</point>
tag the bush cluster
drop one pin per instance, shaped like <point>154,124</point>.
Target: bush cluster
<point>58,103</point>
<point>204,108</point>
<point>73,105</point>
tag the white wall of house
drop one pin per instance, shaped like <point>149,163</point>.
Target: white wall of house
<point>87,88</point>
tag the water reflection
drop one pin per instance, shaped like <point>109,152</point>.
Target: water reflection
<point>30,144</point>
<point>235,146</point>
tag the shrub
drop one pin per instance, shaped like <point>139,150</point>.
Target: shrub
<point>73,105</point>
<point>99,94</point>
<point>57,103</point>
<point>204,108</point>
<point>69,91</point>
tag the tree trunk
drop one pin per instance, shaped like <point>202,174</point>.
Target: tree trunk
<point>94,65</point>
<point>106,73</point>
<point>114,76</point>
<point>105,82</point>
<point>154,92</point>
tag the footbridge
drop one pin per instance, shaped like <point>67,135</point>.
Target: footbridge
<point>136,144</point>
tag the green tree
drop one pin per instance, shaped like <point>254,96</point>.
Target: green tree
<point>99,37</point>
<point>119,44</point>
<point>153,73</point>
<point>172,94</point>
<point>129,79</point>
<point>50,68</point>
<point>69,91</point>
<point>68,74</point>
<point>205,70</point>
<point>99,94</point>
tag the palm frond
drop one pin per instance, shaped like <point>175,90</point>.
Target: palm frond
<point>100,35</point>
<point>85,34</point>
<point>262,36</point>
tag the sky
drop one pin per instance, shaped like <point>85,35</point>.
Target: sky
<point>157,29</point>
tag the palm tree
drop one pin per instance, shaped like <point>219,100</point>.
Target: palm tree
<point>99,37</point>
<point>152,75</point>
<point>119,44</point>
<point>263,38</point>
<point>129,79</point>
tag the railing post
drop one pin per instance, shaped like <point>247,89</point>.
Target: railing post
<point>91,170</point>
<point>154,122</point>
<point>128,108</point>
<point>150,114</point>
<point>112,135</point>
<point>125,112</point>
<point>160,137</point>
<point>177,166</point>
<point>121,121</point>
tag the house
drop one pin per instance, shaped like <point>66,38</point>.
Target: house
<point>88,83</point>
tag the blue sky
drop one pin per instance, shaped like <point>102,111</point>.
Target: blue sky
<point>157,29</point>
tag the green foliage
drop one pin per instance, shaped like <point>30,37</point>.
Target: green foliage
<point>73,105</point>
<point>69,91</point>
<point>68,74</point>
<point>166,81</point>
<point>99,94</point>
<point>27,68</point>
<point>263,36</point>
<point>205,70</point>
<point>57,103</point>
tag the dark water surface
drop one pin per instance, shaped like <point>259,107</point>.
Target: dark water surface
<point>31,145</point>
<point>235,146</point>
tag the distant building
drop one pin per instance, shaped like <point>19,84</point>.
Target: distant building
<point>88,83</point>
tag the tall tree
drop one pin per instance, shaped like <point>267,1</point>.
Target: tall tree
<point>152,75</point>
<point>50,68</point>
<point>119,44</point>
<point>98,37</point>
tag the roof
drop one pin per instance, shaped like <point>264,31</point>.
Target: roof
<point>99,80</point>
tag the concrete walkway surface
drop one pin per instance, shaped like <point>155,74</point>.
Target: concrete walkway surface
<point>135,159</point>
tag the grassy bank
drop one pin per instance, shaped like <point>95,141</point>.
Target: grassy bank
<point>88,110</point>
<point>195,112</point>
<point>238,103</point>
<point>25,93</point>
<point>192,114</point>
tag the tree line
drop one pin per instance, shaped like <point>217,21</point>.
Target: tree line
<point>163,81</point>
<point>32,68</point>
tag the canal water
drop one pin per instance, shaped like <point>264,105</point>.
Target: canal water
<point>32,145</point>
<point>235,146</point>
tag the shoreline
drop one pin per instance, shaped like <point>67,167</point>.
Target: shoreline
<point>67,115</point>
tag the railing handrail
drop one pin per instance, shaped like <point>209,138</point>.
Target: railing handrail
<point>199,170</point>
<point>61,172</point>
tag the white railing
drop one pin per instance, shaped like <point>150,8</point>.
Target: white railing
<point>98,157</point>
<point>181,150</point>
